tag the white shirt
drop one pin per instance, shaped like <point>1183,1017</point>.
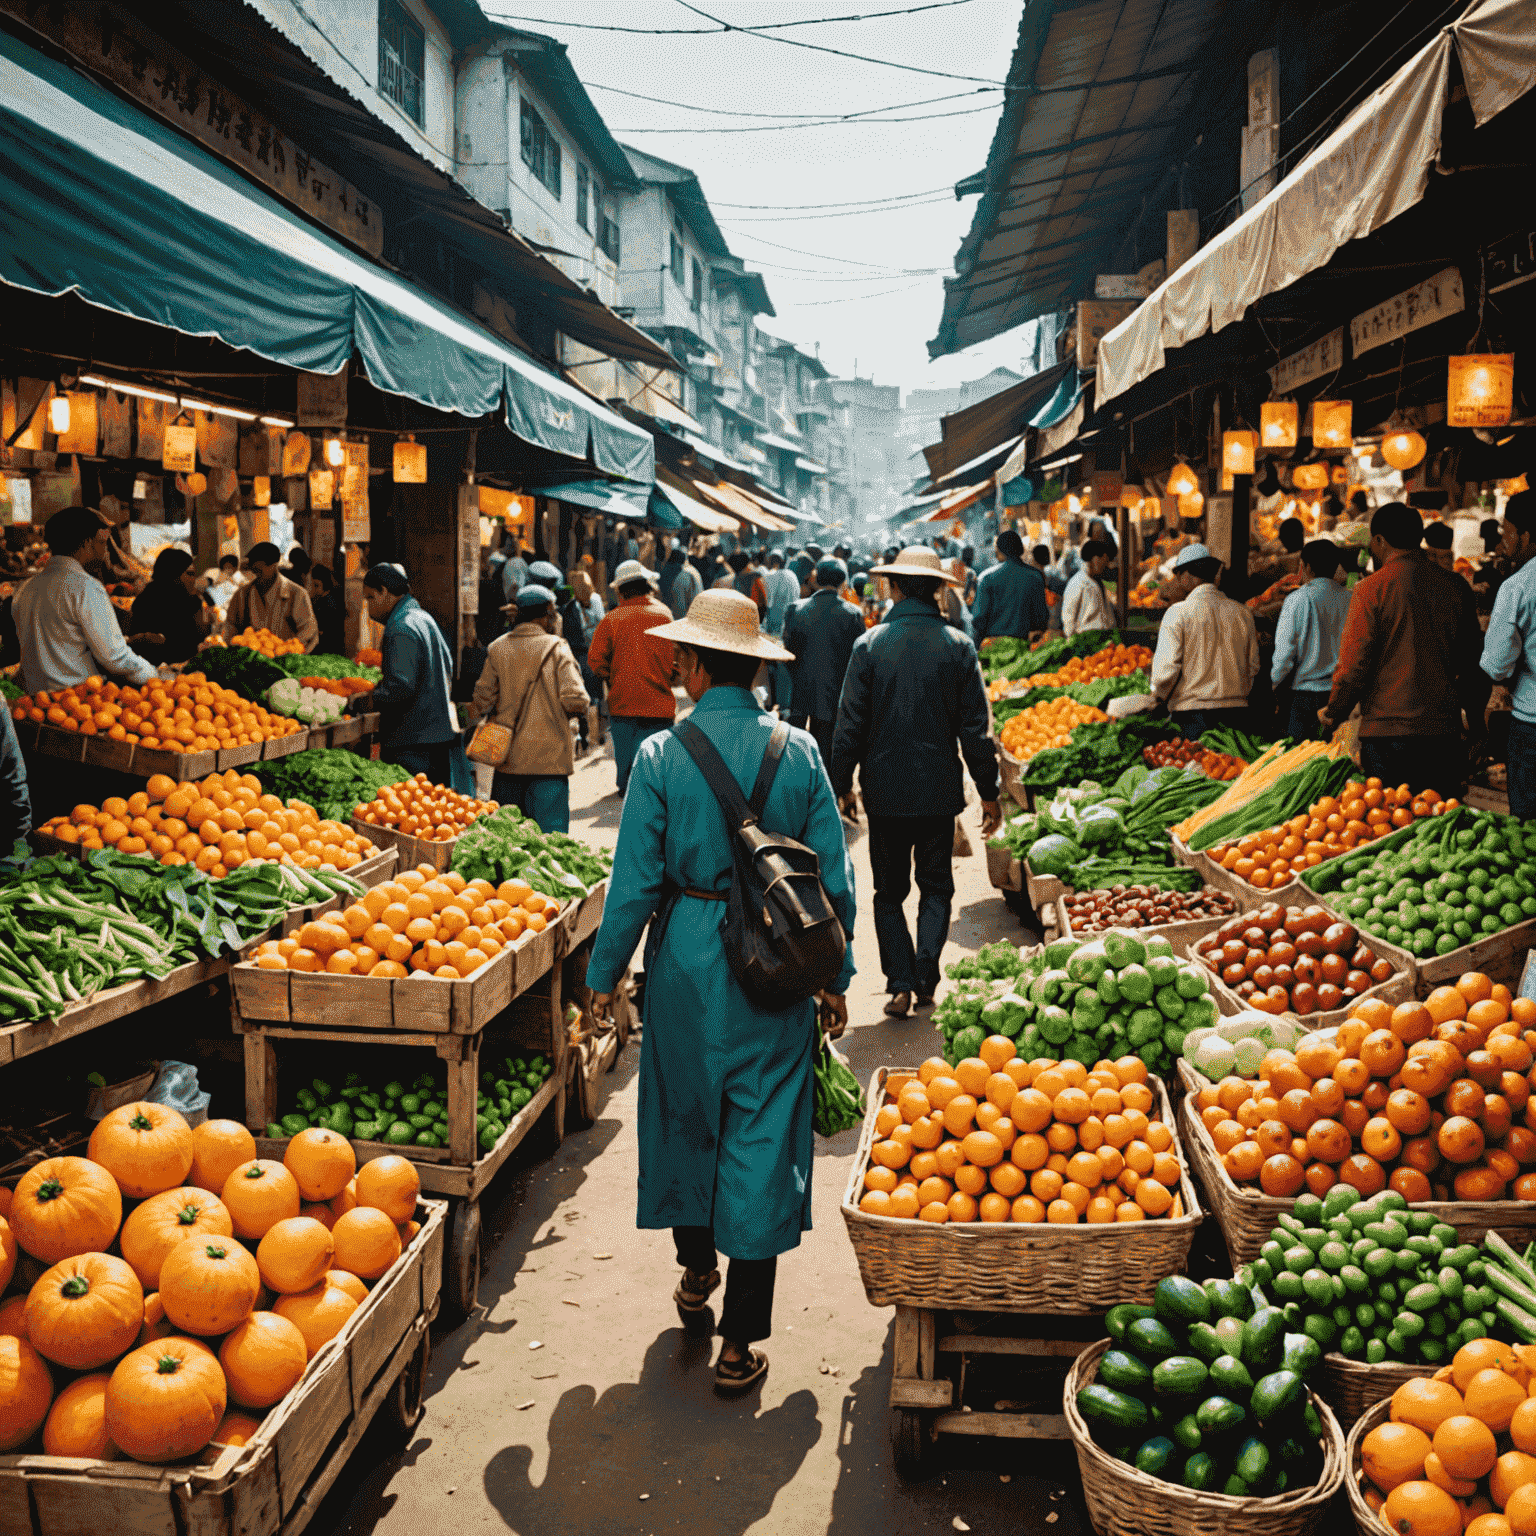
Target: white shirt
<point>68,630</point>
<point>1084,605</point>
<point>1207,653</point>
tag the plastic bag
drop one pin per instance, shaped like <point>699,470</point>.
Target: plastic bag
<point>176,1087</point>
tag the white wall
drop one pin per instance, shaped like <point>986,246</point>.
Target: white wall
<point>649,221</point>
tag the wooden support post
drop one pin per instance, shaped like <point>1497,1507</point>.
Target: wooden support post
<point>461,1053</point>
<point>260,1082</point>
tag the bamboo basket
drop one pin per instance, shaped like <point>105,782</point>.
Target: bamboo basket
<point>1350,1387</point>
<point>1367,1521</point>
<point>1247,1217</point>
<point>1009,1266</point>
<point>1124,1502</point>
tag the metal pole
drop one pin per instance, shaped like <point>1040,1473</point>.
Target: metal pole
<point>1122,565</point>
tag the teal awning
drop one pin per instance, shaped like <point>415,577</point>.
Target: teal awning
<point>598,496</point>
<point>1063,402</point>
<point>99,198</point>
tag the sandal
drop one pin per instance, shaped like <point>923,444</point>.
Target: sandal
<point>733,1376</point>
<point>899,1006</point>
<point>692,1298</point>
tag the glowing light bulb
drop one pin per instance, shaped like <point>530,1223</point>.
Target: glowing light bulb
<point>58,414</point>
<point>335,454</point>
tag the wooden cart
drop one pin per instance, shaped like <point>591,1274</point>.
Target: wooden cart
<point>519,998</point>
<point>274,1485</point>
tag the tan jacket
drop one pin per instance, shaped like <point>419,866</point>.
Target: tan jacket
<point>284,611</point>
<point>524,657</point>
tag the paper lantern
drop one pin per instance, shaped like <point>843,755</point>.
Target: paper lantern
<point>410,461</point>
<point>1132,496</point>
<point>1339,475</point>
<point>261,490</point>
<point>1402,450</point>
<point>1192,505</point>
<point>1480,390</point>
<point>58,414</point>
<point>1237,449</point>
<point>335,453</point>
<point>1278,423</point>
<point>1310,477</point>
<point>1150,509</point>
<point>1332,423</point>
<point>197,483</point>
<point>1182,480</point>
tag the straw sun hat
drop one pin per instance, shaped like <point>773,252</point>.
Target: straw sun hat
<point>722,620</point>
<point>918,560</point>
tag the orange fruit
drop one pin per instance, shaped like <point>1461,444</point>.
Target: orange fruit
<point>972,1075</point>
<point>1392,1454</point>
<point>983,1149</point>
<point>904,1202</point>
<point>1465,1446</point>
<point>994,1207</point>
<point>1421,1509</point>
<point>1520,1512</point>
<point>960,1114</point>
<point>970,1180</point>
<point>1514,1469</point>
<point>941,1089</point>
<point>1446,1003</point>
<point>1492,1396</point>
<point>997,1051</point>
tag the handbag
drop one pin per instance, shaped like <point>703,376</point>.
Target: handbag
<point>492,741</point>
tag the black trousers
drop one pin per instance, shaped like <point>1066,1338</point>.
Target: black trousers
<point>896,845</point>
<point>822,730</point>
<point>748,1312</point>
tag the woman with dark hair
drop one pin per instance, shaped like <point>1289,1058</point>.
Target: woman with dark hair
<point>330,610</point>
<point>419,731</point>
<point>169,617</point>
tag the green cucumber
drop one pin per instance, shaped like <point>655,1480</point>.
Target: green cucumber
<point>1204,1342</point>
<point>1120,1317</point>
<point>1124,1372</point>
<point>1275,1396</point>
<point>1149,1339</point>
<point>1220,1416</point>
<point>1179,1302</point>
<point>1230,1377</point>
<point>1263,1338</point>
<point>1179,1376</point>
<point>1186,1433</point>
<point>1252,1463</point>
<point>1111,1410</point>
<point>1200,1472</point>
<point>1154,1456</point>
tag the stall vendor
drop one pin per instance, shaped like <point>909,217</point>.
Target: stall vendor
<point>65,622</point>
<point>1207,648</point>
<point>420,731</point>
<point>1509,647</point>
<point>170,618</point>
<point>1010,598</point>
<point>272,602</point>
<point>1307,637</point>
<point>1085,606</point>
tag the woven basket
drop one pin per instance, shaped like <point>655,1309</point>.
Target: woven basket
<point>1124,1502</point>
<point>1367,1521</point>
<point>1247,1217</point>
<point>1010,1266</point>
<point>1349,1387</point>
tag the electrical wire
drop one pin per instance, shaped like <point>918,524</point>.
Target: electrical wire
<point>859,298</point>
<point>867,202</point>
<point>764,26</point>
<point>687,106</point>
<point>806,218</point>
<point>846,261</point>
<point>830,122</point>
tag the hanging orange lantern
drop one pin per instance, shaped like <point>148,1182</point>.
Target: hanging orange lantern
<point>1182,480</point>
<point>1237,449</point>
<point>1192,505</point>
<point>1310,477</point>
<point>1277,424</point>
<point>1332,423</point>
<point>1404,449</point>
<point>1480,390</point>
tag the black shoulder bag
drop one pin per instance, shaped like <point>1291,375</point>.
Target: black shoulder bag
<point>782,938</point>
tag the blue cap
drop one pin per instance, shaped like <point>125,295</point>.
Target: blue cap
<point>1189,554</point>
<point>542,571</point>
<point>828,571</point>
<point>534,596</point>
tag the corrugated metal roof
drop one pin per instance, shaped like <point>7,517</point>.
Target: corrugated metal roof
<point>1099,104</point>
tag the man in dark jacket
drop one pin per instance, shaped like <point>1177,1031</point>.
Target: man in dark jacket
<point>1010,597</point>
<point>821,631</point>
<point>912,694</point>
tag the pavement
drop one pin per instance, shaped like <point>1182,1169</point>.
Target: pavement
<point>573,1401</point>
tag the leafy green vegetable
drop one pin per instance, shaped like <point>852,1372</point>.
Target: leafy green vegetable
<point>839,1099</point>
<point>325,665</point>
<point>509,845</point>
<point>331,779</point>
<point>1096,695</point>
<point>1099,751</point>
<point>239,667</point>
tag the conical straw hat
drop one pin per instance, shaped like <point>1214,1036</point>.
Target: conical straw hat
<point>918,560</point>
<point>723,620</point>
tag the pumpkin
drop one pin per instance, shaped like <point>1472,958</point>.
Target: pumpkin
<point>263,1359</point>
<point>208,1284</point>
<point>7,1253</point>
<point>77,1422</point>
<point>145,1147</point>
<point>13,1316</point>
<point>367,1242</point>
<point>345,1280</point>
<point>295,1253</point>
<point>165,1400</point>
<point>155,1227</point>
<point>321,1211</point>
<point>218,1148</point>
<point>319,1313</point>
<point>259,1193</point>
<point>389,1184</point>
<point>85,1311</point>
<point>65,1206</point>
<point>235,1428</point>
<point>156,1324</point>
<point>321,1162</point>
<point>346,1200</point>
<point>26,1390</point>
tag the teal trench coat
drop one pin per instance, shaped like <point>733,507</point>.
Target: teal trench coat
<point>725,1085</point>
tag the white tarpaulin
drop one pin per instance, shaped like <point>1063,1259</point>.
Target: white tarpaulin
<point>1374,166</point>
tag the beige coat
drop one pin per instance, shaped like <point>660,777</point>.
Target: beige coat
<point>284,611</point>
<point>543,744</point>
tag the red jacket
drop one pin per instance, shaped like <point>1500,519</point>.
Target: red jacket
<point>637,668</point>
<point>1410,650</point>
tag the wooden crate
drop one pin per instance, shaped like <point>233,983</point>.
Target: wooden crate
<point>583,917</point>
<point>275,1483</point>
<point>412,850</point>
<point>1042,888</point>
<point>374,870</point>
<point>284,746</point>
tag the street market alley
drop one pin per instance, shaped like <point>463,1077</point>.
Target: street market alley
<point>573,1400</point>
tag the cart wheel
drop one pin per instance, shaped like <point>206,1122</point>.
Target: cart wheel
<point>463,1279</point>
<point>404,1402</point>
<point>912,1443</point>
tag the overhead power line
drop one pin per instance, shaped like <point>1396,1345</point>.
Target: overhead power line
<point>865,202</point>
<point>687,106</point>
<point>856,121</point>
<point>806,218</point>
<point>766,26</point>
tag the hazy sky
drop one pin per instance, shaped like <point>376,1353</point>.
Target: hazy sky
<point>866,282</point>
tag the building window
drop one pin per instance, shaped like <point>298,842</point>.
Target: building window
<point>402,58</point>
<point>678,265</point>
<point>698,288</point>
<point>541,151</point>
<point>608,239</point>
<point>582,193</point>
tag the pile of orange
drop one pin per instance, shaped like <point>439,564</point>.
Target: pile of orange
<point>1457,1452</point>
<point>998,1138</point>
<point>187,715</point>
<point>420,808</point>
<point>1047,725</point>
<point>1112,661</point>
<point>267,643</point>
<point>1429,1099</point>
<point>218,825</point>
<point>421,924</point>
<point>1360,814</point>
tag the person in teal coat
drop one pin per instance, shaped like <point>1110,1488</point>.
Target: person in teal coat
<point>725,1085</point>
<point>419,730</point>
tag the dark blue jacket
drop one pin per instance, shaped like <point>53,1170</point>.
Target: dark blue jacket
<point>15,799</point>
<point>1010,600</point>
<point>821,631</point>
<point>418,672</point>
<point>912,693</point>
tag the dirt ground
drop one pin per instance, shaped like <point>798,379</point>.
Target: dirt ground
<point>573,1401</point>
